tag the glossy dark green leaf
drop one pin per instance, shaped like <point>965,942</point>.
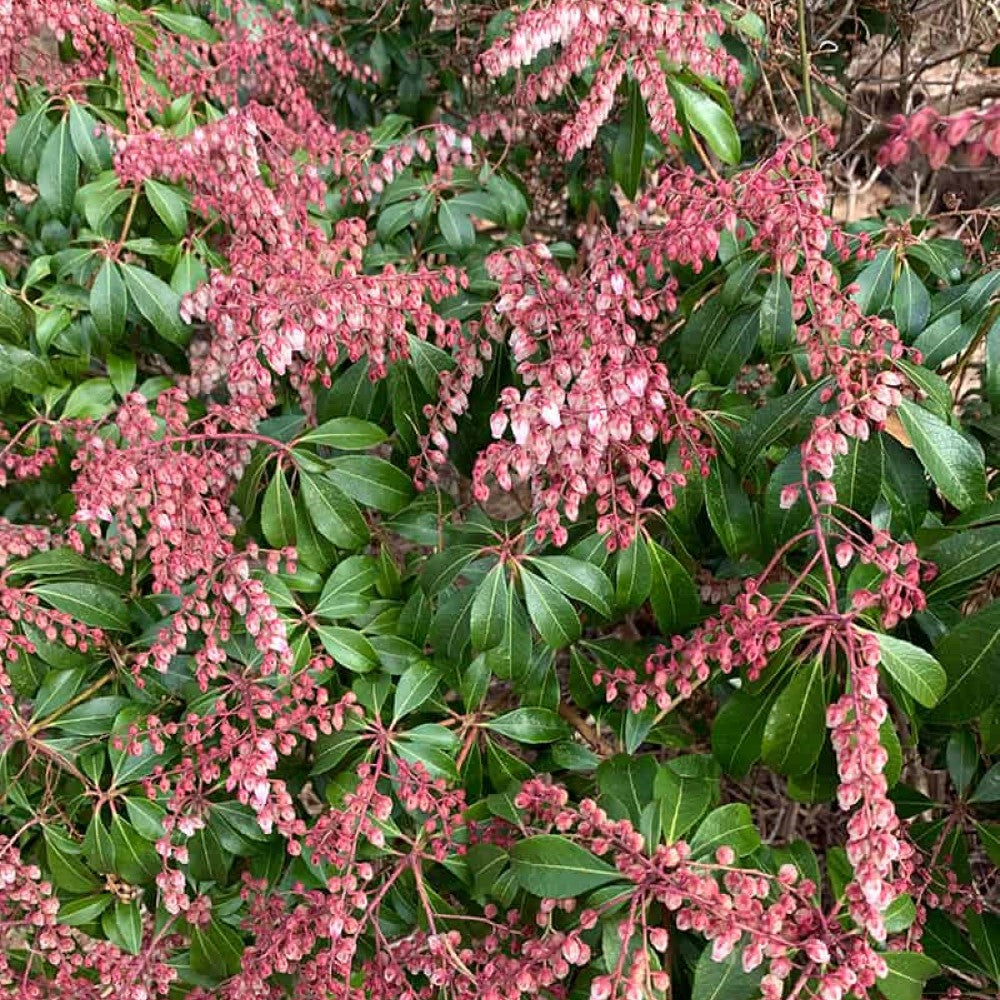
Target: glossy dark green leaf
<point>945,337</point>
<point>710,121</point>
<point>729,510</point>
<point>730,826</point>
<point>630,144</point>
<point>908,971</point>
<point>633,575</point>
<point>345,434</point>
<point>348,588</point>
<point>334,514</point>
<point>796,725</point>
<point>776,324</point>
<point>490,608</point>
<point>724,980</point>
<point>875,282</point>
<point>168,204</point>
<point>911,303</point>
<point>914,669</point>
<point>58,171</point>
<point>556,868</point>
<point>582,581</point>
<point>738,731</point>
<point>277,514</point>
<point>456,226</point>
<point>554,617</point>
<point>970,655</point>
<point>415,686</point>
<point>89,603</point>
<point>530,725</point>
<point>158,303</point>
<point>672,592</point>
<point>89,140</point>
<point>373,482</point>
<point>951,460</point>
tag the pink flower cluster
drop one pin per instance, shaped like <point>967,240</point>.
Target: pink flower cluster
<point>771,918</point>
<point>27,30</point>
<point>629,34</point>
<point>975,132</point>
<point>596,402</point>
<point>874,847</point>
<point>744,636</point>
<point>270,55</point>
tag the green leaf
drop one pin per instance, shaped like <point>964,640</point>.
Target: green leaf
<point>970,655</point>
<point>709,120</point>
<point>25,142</point>
<point>109,301</point>
<point>796,726</point>
<point>682,802</point>
<point>988,790</point>
<point>217,950</point>
<point>345,434</point>
<point>989,837</point>
<point>952,461</point>
<point>875,282</point>
<point>914,669</point>
<point>415,686</point>
<point>738,732</point>
<point>984,932</point>
<point>93,717</point>
<point>335,515</point>
<point>962,758</point>
<point>58,170</point>
<point>158,303</point>
<point>348,647</point>
<point>64,864</point>
<point>346,591</point>
<point>188,274</point>
<point>123,926</point>
<point>963,557</point>
<point>277,514</point>
<point>672,592</point>
<point>776,322</point>
<point>86,909</point>
<point>911,304</point>
<point>530,725</point>
<point>99,199</point>
<point>946,336</point>
<point>628,780</point>
<point>633,575</point>
<point>554,617</point>
<point>630,144</point>
<point>456,227</point>
<point>908,971</point>
<point>729,510</point>
<point>185,24</point>
<point>58,688</point>
<point>775,419</point>
<point>168,204</point>
<point>580,580</point>
<point>724,980</point>
<point>90,603</point>
<point>729,825</point>
<point>90,400</point>
<point>490,608</point>
<point>93,149</point>
<point>991,376</point>
<point>555,868</point>
<point>373,482</point>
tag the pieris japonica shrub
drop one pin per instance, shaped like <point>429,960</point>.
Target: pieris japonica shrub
<point>474,525</point>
